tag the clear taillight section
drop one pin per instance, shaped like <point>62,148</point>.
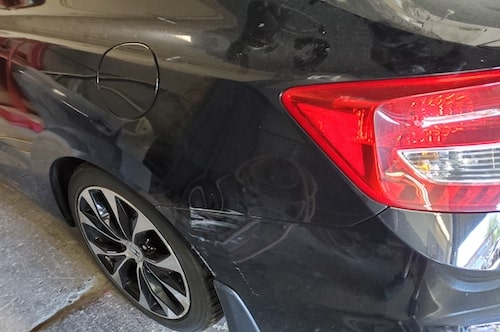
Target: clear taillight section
<point>427,143</point>
<point>477,164</point>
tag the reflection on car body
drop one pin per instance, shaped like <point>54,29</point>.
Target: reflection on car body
<point>214,155</point>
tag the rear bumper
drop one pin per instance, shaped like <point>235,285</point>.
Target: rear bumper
<point>467,241</point>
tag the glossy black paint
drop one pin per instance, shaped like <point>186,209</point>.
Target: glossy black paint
<point>220,157</point>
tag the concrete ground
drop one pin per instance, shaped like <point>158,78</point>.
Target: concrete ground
<point>48,281</point>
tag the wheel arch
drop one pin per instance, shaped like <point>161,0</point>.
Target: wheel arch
<point>61,171</point>
<point>57,153</point>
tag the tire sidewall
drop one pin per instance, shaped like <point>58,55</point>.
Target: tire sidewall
<point>198,278</point>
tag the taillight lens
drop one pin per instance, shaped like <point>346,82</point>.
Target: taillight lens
<point>425,143</point>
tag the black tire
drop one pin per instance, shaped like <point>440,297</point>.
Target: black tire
<point>134,244</point>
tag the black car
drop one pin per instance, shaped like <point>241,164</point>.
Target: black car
<point>293,165</point>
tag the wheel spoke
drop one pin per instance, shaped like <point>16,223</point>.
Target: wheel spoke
<point>99,251</point>
<point>161,297</point>
<point>85,221</point>
<point>117,275</point>
<point>170,263</point>
<point>90,202</point>
<point>148,293</point>
<point>111,200</point>
<point>142,225</point>
<point>183,299</point>
<point>127,217</point>
<point>143,289</point>
<point>119,215</point>
<point>168,312</point>
<point>101,217</point>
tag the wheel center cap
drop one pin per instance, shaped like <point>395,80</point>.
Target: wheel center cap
<point>135,252</point>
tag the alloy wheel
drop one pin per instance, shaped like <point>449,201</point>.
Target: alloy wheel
<point>133,252</point>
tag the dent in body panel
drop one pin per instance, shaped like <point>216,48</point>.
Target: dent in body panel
<point>353,275</point>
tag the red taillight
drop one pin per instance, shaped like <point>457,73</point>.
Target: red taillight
<point>426,143</point>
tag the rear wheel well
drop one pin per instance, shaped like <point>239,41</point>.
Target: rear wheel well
<point>60,174</point>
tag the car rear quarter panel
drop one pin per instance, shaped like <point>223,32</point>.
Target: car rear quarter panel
<point>217,153</point>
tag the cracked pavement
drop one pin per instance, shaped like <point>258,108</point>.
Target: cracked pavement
<point>50,283</point>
